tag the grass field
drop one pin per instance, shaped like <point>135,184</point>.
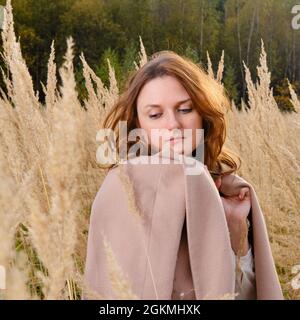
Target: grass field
<point>49,175</point>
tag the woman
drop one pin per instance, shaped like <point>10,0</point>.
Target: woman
<point>171,99</point>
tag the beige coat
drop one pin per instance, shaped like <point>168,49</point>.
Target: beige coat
<point>141,209</point>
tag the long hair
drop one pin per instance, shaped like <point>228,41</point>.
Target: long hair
<point>207,95</point>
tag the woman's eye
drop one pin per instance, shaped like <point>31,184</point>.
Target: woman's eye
<point>154,116</point>
<point>185,110</point>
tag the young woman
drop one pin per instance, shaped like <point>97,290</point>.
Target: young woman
<point>167,98</point>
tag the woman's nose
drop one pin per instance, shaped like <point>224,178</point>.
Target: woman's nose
<point>172,121</point>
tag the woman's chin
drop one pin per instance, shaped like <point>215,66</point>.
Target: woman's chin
<point>179,150</point>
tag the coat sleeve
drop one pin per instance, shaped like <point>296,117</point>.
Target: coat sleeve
<point>266,278</point>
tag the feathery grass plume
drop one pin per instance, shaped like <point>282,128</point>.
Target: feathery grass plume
<point>119,281</point>
<point>96,106</point>
<point>11,140</point>
<point>113,92</point>
<point>130,193</point>
<point>294,99</point>
<point>23,133</point>
<point>50,89</point>
<point>225,296</point>
<point>96,98</point>
<point>27,135</point>
<point>93,117</point>
<point>295,283</point>
<point>30,121</point>
<point>142,56</point>
<point>13,262</point>
<point>88,74</point>
<point>54,233</point>
<point>209,66</point>
<point>85,291</point>
<point>220,70</point>
<point>8,34</point>
<point>23,97</point>
<point>99,102</point>
<point>102,99</point>
<point>17,277</point>
<point>228,296</point>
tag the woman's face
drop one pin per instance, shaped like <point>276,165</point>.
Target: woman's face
<point>164,104</point>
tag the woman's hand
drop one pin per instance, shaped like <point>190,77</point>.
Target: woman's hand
<point>237,209</point>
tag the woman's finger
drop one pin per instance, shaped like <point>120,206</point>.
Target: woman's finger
<point>244,192</point>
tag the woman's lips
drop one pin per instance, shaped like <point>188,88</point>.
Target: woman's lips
<point>173,140</point>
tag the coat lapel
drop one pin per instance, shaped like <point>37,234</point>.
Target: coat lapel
<point>211,257</point>
<point>178,194</point>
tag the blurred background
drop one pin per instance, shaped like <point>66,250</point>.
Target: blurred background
<point>111,29</point>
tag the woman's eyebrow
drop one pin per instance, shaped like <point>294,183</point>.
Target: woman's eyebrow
<point>157,105</point>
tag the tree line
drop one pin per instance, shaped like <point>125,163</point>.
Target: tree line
<point>111,28</point>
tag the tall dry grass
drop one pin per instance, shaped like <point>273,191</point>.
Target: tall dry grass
<point>267,141</point>
<point>49,175</point>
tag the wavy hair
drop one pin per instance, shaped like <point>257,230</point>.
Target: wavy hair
<point>208,97</point>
